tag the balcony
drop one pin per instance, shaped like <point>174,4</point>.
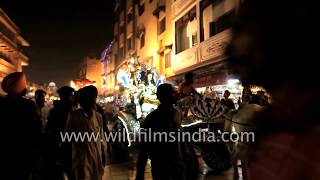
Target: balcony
<point>161,6</point>
<point>24,59</point>
<point>185,59</point>
<point>6,65</point>
<point>179,5</point>
<point>214,46</point>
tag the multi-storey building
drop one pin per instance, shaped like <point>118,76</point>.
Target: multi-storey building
<point>11,55</point>
<point>175,36</point>
<point>91,73</point>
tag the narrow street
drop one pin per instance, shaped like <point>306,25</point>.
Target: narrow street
<point>126,171</point>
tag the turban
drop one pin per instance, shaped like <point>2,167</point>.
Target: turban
<point>14,83</point>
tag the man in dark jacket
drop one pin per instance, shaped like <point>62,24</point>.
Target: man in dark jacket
<point>21,128</point>
<point>226,101</point>
<point>165,157</point>
<point>57,119</point>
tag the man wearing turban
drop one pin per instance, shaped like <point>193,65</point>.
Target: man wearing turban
<point>21,128</point>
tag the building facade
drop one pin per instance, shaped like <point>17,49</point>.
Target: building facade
<point>12,57</point>
<point>175,37</point>
<point>90,73</point>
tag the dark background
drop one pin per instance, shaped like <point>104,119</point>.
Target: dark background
<point>61,33</point>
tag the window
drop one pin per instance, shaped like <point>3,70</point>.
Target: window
<point>194,39</point>
<point>141,9</point>
<point>162,25</point>
<point>222,23</point>
<point>121,52</point>
<point>121,29</point>
<point>185,28</point>
<point>213,28</point>
<point>129,18</point>
<point>129,43</point>
<point>168,60</point>
<point>116,29</point>
<point>122,18</point>
<point>142,39</point>
<point>216,16</point>
<point>225,21</point>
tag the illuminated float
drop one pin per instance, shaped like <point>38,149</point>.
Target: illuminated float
<point>136,89</point>
<point>135,94</point>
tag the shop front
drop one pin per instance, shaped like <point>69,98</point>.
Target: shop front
<point>214,77</point>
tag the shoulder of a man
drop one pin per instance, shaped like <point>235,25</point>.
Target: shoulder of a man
<point>29,102</point>
<point>151,118</point>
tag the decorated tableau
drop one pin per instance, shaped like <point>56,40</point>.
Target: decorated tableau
<point>137,88</point>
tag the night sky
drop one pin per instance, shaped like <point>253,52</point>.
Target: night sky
<point>61,33</point>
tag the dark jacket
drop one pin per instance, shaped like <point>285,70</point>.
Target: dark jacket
<point>228,103</point>
<point>21,130</point>
<point>55,150</point>
<point>164,156</point>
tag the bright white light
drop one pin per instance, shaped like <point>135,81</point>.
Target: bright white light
<point>132,60</point>
<point>191,124</point>
<point>52,84</point>
<point>126,127</point>
<point>233,81</point>
<point>233,129</point>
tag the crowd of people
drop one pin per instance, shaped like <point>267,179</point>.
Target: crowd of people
<point>38,152</point>
<point>286,146</point>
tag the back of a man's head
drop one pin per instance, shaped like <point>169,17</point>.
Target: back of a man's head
<point>189,77</point>
<point>40,92</point>
<point>88,96</point>
<point>65,93</point>
<point>165,94</point>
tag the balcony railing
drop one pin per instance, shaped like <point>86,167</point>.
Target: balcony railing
<point>209,50</point>
<point>214,47</point>
<point>185,59</point>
